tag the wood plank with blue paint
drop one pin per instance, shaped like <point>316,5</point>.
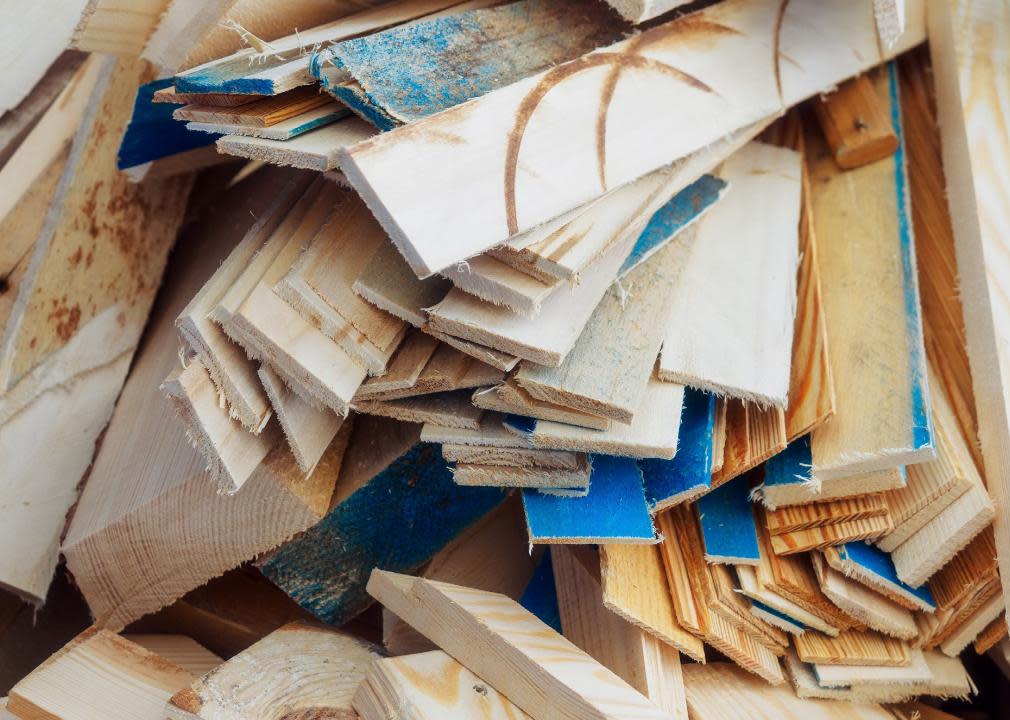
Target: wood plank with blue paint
<point>540,596</point>
<point>871,303</point>
<point>689,473</point>
<point>874,568</point>
<point>285,129</point>
<point>421,68</point>
<point>395,506</point>
<point>727,524</point>
<point>614,510</point>
<point>778,619</point>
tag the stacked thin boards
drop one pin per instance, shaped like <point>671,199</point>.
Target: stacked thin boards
<point>536,325</point>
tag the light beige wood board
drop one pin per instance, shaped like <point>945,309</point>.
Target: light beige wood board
<point>805,683</point>
<point>473,474</point>
<point>852,647</point>
<point>498,283</point>
<point>81,305</point>
<point>890,19</point>
<point>638,11</point>
<point>917,671</point>
<point>750,587</point>
<point>802,517</point>
<point>495,358</point>
<point>871,304</point>
<point>959,640</point>
<point>447,370</point>
<point>314,150</point>
<point>731,329</point>
<point>117,28</point>
<point>722,691</point>
<point>524,659</point>
<point>451,409</point>
<point>308,430</point>
<point>653,432</point>
<point>299,668</point>
<point>865,605</point>
<point>642,660</point>
<point>150,525</point>
<point>96,675</point>
<point>181,650</point>
<point>512,457</point>
<point>635,587</point>
<point>546,339</point>
<point>232,371</point>
<point>968,41</point>
<point>231,452</point>
<point>404,369</point>
<point>607,372</point>
<point>388,283</point>
<point>509,397</point>
<point>260,112</point>
<point>799,541</point>
<point>577,121</point>
<point>490,432</point>
<point>429,686</point>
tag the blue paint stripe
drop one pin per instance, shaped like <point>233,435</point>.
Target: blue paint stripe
<point>780,615</point>
<point>153,133</point>
<point>540,596</point>
<point>922,424</point>
<point>727,522</point>
<point>878,562</point>
<point>690,470</point>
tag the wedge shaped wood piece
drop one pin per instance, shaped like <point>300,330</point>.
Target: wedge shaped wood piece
<point>524,659</point>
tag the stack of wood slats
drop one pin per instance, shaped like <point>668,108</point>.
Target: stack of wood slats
<point>507,358</point>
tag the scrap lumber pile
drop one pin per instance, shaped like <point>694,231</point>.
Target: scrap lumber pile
<point>506,358</point>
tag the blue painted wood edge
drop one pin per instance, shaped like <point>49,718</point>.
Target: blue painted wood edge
<point>396,521</point>
<point>680,211</point>
<point>689,473</point>
<point>922,422</point>
<point>541,596</point>
<point>153,134</point>
<point>876,561</point>
<point>230,75</point>
<point>727,522</point>
<point>780,615</point>
<point>521,423</point>
<point>614,508</point>
<point>791,466</point>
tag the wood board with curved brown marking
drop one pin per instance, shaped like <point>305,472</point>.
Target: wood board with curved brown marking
<point>524,154</point>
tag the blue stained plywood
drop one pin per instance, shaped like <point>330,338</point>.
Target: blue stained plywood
<point>238,74</point>
<point>418,69</point>
<point>614,510</point>
<point>791,466</point>
<point>727,524</point>
<point>153,134</point>
<point>689,473</point>
<point>878,563</point>
<point>396,521</point>
<point>540,596</point>
<point>680,211</point>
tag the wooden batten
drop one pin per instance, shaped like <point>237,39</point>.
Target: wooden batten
<point>852,647</point>
<point>511,398</point>
<point>834,534</point>
<point>574,481</point>
<point>856,124</point>
<point>803,517</point>
<point>313,150</point>
<point>753,435</point>
<point>873,567</point>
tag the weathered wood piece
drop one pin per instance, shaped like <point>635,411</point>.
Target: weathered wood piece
<point>314,150</point>
<point>512,399</point>
<point>449,409</point>
<point>298,668</point>
<point>731,329</point>
<point>573,481</point>
<point>388,283</point>
<point>537,669</point>
<point>852,647</point>
<point>638,11</point>
<point>798,541</point>
<point>802,517</point>
<point>976,161</point>
<point>259,113</point>
<point>874,568</point>
<point>856,124</point>
<point>526,142</point>
<point>753,435</point>
<point>281,131</point>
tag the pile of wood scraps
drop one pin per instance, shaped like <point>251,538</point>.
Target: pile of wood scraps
<point>508,358</point>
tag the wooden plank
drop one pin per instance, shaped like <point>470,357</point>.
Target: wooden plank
<point>404,369</point>
<point>73,326</point>
<point>427,686</point>
<point>652,434</point>
<point>314,150</point>
<point>513,457</point>
<point>973,565</point>
<point>882,419</point>
<point>719,337</point>
<point>969,630</point>
<point>638,11</point>
<point>727,524</point>
<point>975,162</point>
<point>139,538</point>
<point>231,452</point>
<point>802,517</point>
<point>259,113</point>
<point>607,371</point>
<point>183,651</point>
<point>635,587</point>
<point>388,283</point>
<point>798,541</point>
<point>451,409</point>
<point>689,473</point>
<point>805,683</point>
<point>547,676</point>
<point>325,568</point>
<point>553,144</point>
<point>574,480</point>
<point>447,370</point>
<point>639,658</point>
<point>753,435</point>
<point>852,647</point>
<point>495,358</point>
<point>490,433</point>
<point>298,667</point>
<point>233,373</point>
<point>994,632</point>
<point>98,674</point>
<point>511,398</point>
<point>281,131</point>
<point>917,671</point>
<point>107,26</point>
<point>721,691</point>
<point>171,96</point>
<point>874,568</point>
<point>614,510</point>
<point>751,588</point>
<point>499,283</point>
<point>855,124</point>
<point>309,431</point>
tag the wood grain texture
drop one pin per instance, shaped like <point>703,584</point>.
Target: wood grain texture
<point>533,141</point>
<point>449,409</point>
<point>915,672</point>
<point>855,124</point>
<point>798,541</point>
<point>641,659</point>
<point>313,150</point>
<point>298,668</point>
<point>511,398</point>
<point>107,26</point>
<point>98,674</point>
<point>572,481</point>
<point>852,647</point>
<point>968,42</point>
<point>802,517</point>
<point>388,283</point>
<point>753,435</point>
<point>540,671</point>
<point>260,113</point>
<point>875,569</point>
<point>638,11</point>
<point>731,329</point>
<point>882,419</point>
